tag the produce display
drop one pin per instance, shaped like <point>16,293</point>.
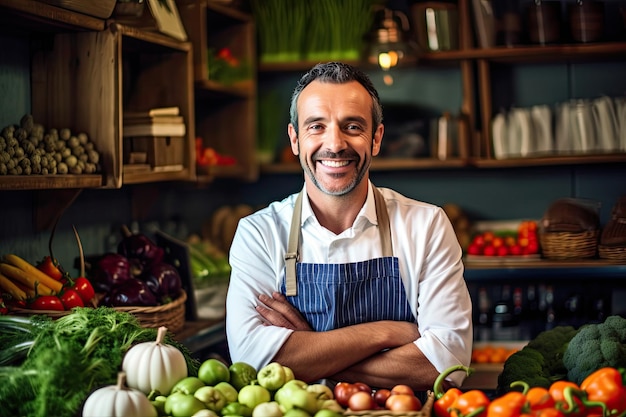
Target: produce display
<point>28,148</point>
<point>44,286</point>
<point>135,275</point>
<point>522,241</point>
<point>49,367</point>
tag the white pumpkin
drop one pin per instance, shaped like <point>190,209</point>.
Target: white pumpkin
<point>154,365</point>
<point>118,401</point>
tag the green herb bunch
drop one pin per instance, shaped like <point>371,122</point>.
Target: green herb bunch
<point>49,367</point>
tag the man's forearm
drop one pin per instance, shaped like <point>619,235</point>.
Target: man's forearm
<point>315,355</point>
<point>403,365</point>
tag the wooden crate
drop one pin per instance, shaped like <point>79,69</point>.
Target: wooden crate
<point>161,152</point>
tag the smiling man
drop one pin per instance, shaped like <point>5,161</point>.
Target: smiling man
<point>345,280</point>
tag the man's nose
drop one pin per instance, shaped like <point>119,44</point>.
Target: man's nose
<point>336,139</point>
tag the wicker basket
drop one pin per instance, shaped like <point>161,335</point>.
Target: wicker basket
<point>170,315</point>
<point>568,245</point>
<point>424,412</point>
<point>614,253</point>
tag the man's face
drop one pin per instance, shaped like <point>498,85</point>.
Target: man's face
<point>335,144</point>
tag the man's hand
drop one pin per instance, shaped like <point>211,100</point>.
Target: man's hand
<point>277,311</point>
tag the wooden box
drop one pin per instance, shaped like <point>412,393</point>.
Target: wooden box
<point>162,152</point>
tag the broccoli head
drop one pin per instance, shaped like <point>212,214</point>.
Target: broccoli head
<point>552,345</point>
<point>596,346</point>
<point>525,365</point>
<point>540,362</point>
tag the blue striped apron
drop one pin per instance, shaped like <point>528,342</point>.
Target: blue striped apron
<point>331,296</point>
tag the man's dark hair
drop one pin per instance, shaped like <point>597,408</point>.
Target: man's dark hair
<point>337,73</point>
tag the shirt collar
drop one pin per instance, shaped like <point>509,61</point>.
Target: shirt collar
<point>367,214</point>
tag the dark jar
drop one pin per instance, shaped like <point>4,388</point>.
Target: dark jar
<point>544,22</point>
<point>586,19</point>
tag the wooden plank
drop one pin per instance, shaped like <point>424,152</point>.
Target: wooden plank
<point>75,85</point>
<point>42,182</point>
<point>49,17</point>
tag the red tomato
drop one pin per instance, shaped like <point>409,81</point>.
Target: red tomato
<point>474,249</point>
<point>47,302</point>
<point>489,250</point>
<point>50,267</point>
<point>343,391</point>
<point>363,387</point>
<point>516,250</point>
<point>478,240</point>
<point>84,289</point>
<point>360,401</point>
<point>381,395</point>
<point>403,402</point>
<point>70,299</point>
<point>502,251</point>
<point>402,389</point>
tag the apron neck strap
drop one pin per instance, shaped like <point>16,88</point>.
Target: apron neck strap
<point>291,257</point>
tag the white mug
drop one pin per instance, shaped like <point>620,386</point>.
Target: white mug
<point>607,129</point>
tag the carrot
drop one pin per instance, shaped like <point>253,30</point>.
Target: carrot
<point>37,274</point>
<point>16,274</point>
<point>11,288</point>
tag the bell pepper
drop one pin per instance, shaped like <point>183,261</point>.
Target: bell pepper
<point>473,403</point>
<point>444,400</point>
<point>570,405</point>
<point>604,391</point>
<point>511,404</point>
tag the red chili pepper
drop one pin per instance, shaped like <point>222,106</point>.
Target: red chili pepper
<point>50,267</point>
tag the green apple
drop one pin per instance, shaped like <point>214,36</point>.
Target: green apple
<point>206,413</point>
<point>303,400</point>
<point>159,403</point>
<point>294,412</point>
<point>328,413</point>
<point>272,376</point>
<point>236,409</point>
<point>270,409</point>
<point>179,404</point>
<point>229,392</point>
<point>241,374</point>
<point>253,395</point>
<point>188,385</point>
<point>288,374</point>
<point>331,405</point>
<point>213,371</point>
<point>211,397</point>
<point>284,393</point>
<point>321,391</point>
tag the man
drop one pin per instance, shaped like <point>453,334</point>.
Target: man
<point>344,280</point>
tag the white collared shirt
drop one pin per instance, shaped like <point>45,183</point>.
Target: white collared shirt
<point>423,239</point>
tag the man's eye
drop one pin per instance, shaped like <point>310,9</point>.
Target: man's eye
<point>353,127</point>
<point>315,127</point>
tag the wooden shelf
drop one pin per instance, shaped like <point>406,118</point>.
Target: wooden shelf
<point>525,53</point>
<point>42,182</point>
<point>25,16</point>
